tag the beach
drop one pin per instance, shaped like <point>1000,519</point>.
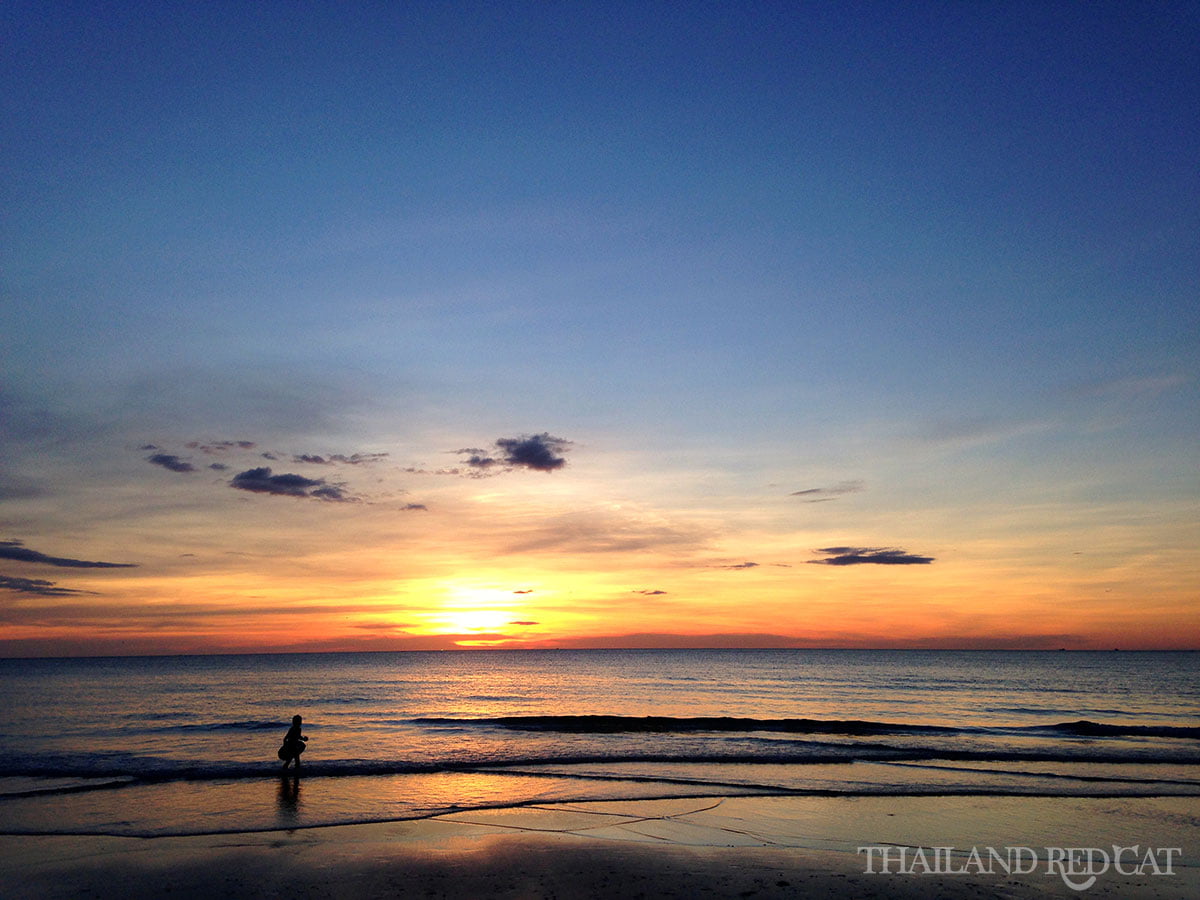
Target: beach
<point>693,847</point>
<point>539,775</point>
<point>762,774</point>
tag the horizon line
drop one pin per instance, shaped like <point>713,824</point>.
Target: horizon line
<point>610,650</point>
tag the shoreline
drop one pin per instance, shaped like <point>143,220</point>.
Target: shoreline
<point>715,847</point>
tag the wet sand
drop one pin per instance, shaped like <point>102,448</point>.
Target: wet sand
<point>732,847</point>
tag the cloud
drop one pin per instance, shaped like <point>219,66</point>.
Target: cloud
<point>220,446</point>
<point>824,495</point>
<point>857,556</point>
<point>354,459</point>
<point>535,451</point>
<point>414,507</point>
<point>19,487</point>
<point>1129,390</point>
<point>525,591</point>
<point>602,531</point>
<point>524,623</point>
<point>261,481</point>
<point>979,431</point>
<point>37,587</point>
<point>172,462</point>
<point>540,452</point>
<point>659,640</point>
<point>744,565</point>
<point>16,550</point>
<point>650,593</point>
<point>477,460</point>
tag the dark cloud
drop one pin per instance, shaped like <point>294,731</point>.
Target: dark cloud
<point>540,452</point>
<point>857,556</point>
<point>524,623</point>
<point>525,591</point>
<point>650,593</point>
<point>221,448</point>
<point>16,550</point>
<point>172,462</point>
<point>37,587</point>
<point>261,481</point>
<point>745,565</point>
<point>333,493</point>
<point>824,495</point>
<point>359,459</point>
<point>354,459</point>
<point>481,462</point>
<point>534,451</point>
<point>414,507</point>
<point>476,458</point>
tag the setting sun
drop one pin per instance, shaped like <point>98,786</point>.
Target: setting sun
<point>468,620</point>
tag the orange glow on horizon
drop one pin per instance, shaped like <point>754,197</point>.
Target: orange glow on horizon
<point>298,600</point>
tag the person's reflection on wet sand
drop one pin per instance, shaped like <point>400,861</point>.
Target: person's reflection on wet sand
<point>288,800</point>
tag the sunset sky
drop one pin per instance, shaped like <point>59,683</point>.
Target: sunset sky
<point>433,325</point>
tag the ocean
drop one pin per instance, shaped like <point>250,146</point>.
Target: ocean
<point>145,746</point>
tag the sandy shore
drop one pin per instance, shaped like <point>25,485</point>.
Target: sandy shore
<point>736,847</point>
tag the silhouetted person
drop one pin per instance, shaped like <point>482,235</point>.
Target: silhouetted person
<point>293,744</point>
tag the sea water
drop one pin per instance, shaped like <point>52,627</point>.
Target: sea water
<point>186,744</point>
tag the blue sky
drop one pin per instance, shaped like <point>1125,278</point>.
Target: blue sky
<point>944,253</point>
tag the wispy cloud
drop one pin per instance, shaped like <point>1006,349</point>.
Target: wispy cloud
<point>1136,388</point>
<point>658,640</point>
<point>16,550</point>
<point>825,494</point>
<point>261,481</point>
<point>603,531</point>
<point>332,459</point>
<point>654,593</point>
<point>880,556</point>
<point>37,587</point>
<point>177,463</point>
<point>19,487</point>
<point>1114,403</point>
<point>980,431</point>
<point>215,447</point>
